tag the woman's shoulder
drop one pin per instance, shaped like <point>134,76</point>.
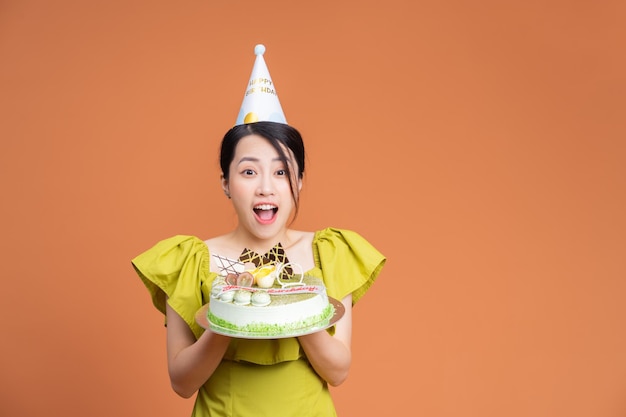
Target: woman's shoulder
<point>215,241</point>
<point>300,237</point>
<point>328,233</point>
<point>224,245</point>
<point>334,234</point>
<point>349,262</point>
<point>171,251</point>
<point>343,244</point>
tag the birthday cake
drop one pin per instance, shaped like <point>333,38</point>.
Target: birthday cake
<point>267,301</point>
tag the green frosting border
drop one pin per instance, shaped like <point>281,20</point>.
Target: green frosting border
<point>264,329</point>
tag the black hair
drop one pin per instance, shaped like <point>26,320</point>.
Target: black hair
<point>279,135</point>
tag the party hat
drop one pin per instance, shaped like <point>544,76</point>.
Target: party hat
<point>260,103</point>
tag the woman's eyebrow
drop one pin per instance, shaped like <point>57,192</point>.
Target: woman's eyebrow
<point>255,159</point>
<point>248,159</point>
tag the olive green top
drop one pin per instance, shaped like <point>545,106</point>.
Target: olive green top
<point>179,268</point>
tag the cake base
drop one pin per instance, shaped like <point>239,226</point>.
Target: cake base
<point>202,319</point>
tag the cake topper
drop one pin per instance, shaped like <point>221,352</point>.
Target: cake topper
<point>227,265</point>
<point>260,101</point>
<point>276,256</point>
<point>270,267</point>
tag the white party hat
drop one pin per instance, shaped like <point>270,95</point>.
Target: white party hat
<point>260,102</point>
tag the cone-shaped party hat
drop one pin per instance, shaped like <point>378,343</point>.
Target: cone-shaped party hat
<point>260,102</point>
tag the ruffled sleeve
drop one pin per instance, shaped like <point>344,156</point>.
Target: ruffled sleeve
<point>176,268</point>
<point>349,263</point>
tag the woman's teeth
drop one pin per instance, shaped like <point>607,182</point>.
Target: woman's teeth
<point>265,207</point>
<point>265,212</point>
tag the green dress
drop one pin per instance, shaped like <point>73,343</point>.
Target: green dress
<point>258,377</point>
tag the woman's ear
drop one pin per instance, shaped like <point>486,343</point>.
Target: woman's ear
<point>224,182</point>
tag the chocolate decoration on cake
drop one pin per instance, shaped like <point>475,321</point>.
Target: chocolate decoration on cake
<point>276,255</point>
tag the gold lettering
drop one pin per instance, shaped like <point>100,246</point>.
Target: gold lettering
<point>260,81</point>
<point>267,90</point>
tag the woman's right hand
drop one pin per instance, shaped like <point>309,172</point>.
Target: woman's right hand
<point>191,362</point>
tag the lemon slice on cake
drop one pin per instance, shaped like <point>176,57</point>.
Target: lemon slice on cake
<point>264,276</point>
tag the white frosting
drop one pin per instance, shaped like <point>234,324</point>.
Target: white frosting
<point>242,297</point>
<point>227,296</point>
<point>260,299</point>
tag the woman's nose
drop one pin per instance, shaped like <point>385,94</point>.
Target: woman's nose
<point>266,187</point>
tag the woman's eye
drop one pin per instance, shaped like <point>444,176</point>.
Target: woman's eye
<point>281,172</point>
<point>248,172</point>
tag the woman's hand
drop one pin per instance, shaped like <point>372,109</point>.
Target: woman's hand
<point>331,356</point>
<point>191,362</point>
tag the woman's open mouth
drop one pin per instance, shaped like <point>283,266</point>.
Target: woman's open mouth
<point>265,213</point>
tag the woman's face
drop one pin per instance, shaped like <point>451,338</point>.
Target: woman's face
<point>259,188</point>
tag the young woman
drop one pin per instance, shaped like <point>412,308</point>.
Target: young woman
<point>262,170</point>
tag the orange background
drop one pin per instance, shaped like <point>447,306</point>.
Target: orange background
<point>478,144</point>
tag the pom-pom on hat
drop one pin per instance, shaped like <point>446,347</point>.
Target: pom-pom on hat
<point>260,102</point>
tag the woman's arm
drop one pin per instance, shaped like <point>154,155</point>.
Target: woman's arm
<point>190,363</point>
<point>331,356</point>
